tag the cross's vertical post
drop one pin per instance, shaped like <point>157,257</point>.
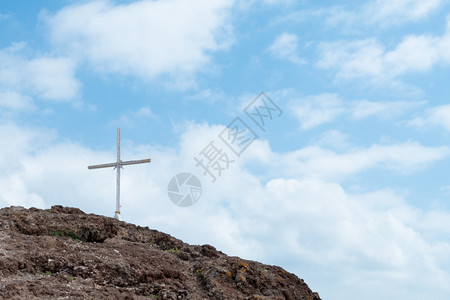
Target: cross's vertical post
<point>118,165</point>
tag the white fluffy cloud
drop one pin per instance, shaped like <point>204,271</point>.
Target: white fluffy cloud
<point>285,47</point>
<point>436,116</point>
<point>16,144</point>
<point>381,14</point>
<point>301,222</point>
<point>279,2</point>
<point>364,108</point>
<point>12,100</point>
<point>145,38</point>
<point>326,164</point>
<point>130,118</point>
<point>368,58</point>
<point>352,59</point>
<point>399,11</point>
<point>44,77</point>
<point>315,110</point>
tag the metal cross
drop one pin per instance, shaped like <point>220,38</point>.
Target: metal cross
<point>118,165</point>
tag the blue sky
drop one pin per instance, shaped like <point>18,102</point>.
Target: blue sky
<point>348,188</point>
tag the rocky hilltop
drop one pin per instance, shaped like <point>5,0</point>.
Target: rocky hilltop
<point>64,253</point>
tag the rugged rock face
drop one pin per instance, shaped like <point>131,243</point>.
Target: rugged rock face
<point>63,253</point>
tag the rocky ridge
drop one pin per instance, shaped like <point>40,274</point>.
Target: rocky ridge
<point>64,253</point>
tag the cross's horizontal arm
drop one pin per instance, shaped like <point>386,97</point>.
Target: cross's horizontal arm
<point>121,163</point>
<point>135,162</point>
<point>102,166</point>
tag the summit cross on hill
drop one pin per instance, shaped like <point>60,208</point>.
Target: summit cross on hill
<point>118,165</point>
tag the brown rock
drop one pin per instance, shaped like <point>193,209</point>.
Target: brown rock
<point>63,253</point>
